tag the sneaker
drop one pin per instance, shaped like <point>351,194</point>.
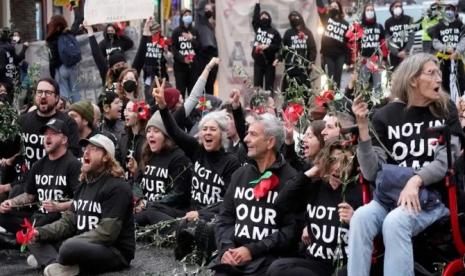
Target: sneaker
<point>32,262</point>
<point>57,269</point>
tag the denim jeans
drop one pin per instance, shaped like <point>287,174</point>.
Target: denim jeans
<point>398,227</point>
<point>67,80</point>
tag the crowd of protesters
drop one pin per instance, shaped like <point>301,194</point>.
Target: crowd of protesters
<point>252,185</point>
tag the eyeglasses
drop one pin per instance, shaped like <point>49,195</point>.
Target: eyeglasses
<point>44,92</point>
<point>433,73</point>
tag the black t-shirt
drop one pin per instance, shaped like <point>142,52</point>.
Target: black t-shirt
<point>405,135</point>
<point>398,30</point>
<point>373,36</point>
<point>107,197</point>
<point>54,179</point>
<point>323,225</point>
<point>166,179</point>
<point>31,123</point>
<point>247,220</point>
<point>448,34</point>
<point>303,44</point>
<point>334,39</point>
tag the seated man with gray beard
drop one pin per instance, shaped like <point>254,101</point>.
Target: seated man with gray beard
<point>251,231</point>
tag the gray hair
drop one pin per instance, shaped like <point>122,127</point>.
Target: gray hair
<point>273,127</point>
<point>407,71</point>
<point>222,119</point>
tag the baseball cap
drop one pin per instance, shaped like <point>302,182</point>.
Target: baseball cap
<point>57,125</point>
<point>100,141</point>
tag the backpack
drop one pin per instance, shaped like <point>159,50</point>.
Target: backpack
<point>69,50</point>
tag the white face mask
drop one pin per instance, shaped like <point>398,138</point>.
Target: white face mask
<point>370,14</point>
<point>397,11</point>
<point>15,38</point>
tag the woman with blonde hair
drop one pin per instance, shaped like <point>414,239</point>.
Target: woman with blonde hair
<point>408,171</point>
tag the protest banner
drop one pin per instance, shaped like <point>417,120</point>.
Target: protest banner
<point>235,35</point>
<point>106,11</point>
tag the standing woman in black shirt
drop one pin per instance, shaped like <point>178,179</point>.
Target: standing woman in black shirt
<point>334,49</point>
<point>185,48</point>
<point>265,48</point>
<point>299,60</point>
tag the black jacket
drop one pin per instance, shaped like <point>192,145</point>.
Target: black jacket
<point>256,224</point>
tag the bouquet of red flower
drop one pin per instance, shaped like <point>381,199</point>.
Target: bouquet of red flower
<point>25,235</point>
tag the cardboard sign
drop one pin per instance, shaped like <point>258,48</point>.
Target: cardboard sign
<point>107,11</point>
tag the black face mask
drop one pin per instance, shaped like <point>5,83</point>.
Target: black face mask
<point>111,36</point>
<point>295,22</point>
<point>208,14</point>
<point>129,86</point>
<point>265,22</point>
<point>333,13</point>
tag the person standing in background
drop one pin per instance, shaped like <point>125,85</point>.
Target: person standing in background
<point>205,24</point>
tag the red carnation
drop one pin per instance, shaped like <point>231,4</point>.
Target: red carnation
<point>325,98</point>
<point>267,182</point>
<point>293,111</point>
<point>24,238</point>
<point>301,35</point>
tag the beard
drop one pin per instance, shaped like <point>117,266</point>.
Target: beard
<point>45,107</point>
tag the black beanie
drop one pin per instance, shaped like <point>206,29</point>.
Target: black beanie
<point>115,57</point>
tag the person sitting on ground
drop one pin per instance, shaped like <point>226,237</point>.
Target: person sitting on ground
<point>52,181</point>
<point>97,235</point>
<point>248,243</point>
<point>163,176</point>
<point>330,186</point>
<point>213,166</point>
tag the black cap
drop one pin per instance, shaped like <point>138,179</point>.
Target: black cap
<point>57,125</point>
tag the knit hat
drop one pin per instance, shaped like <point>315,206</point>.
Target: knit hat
<point>172,97</point>
<point>116,57</point>
<point>85,109</point>
<point>157,122</point>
